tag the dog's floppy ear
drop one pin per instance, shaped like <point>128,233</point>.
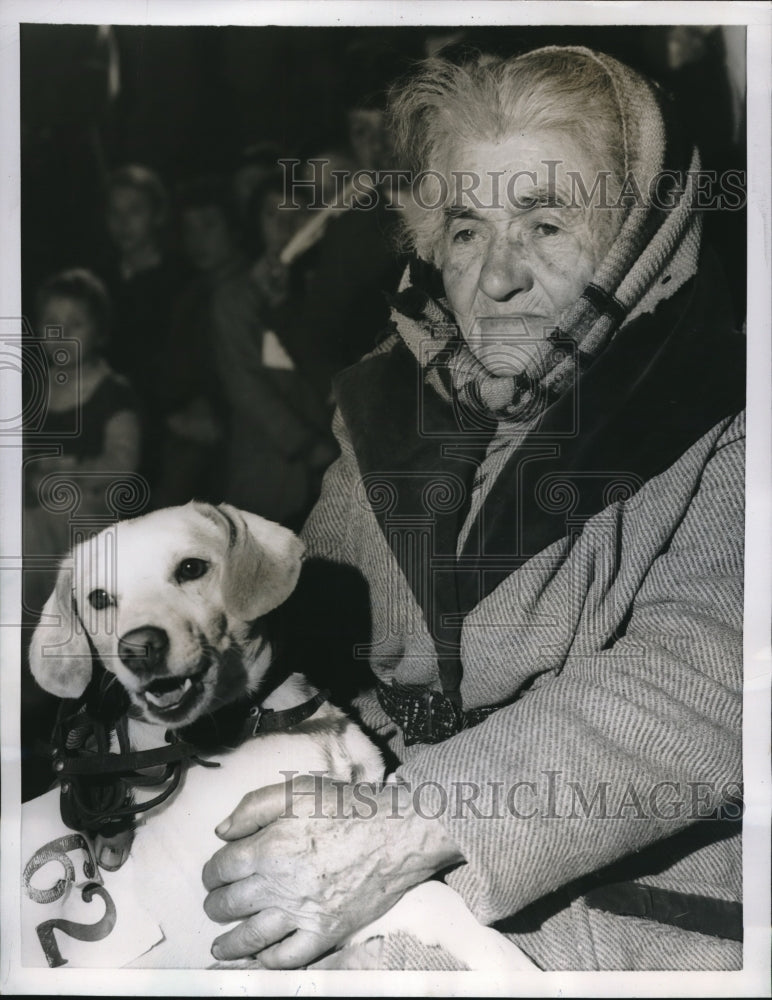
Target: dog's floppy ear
<point>60,654</point>
<point>263,564</point>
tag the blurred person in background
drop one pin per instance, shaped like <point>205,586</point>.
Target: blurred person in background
<point>270,228</point>
<point>347,251</point>
<point>240,427</point>
<point>143,281</point>
<point>193,399</point>
<point>258,161</point>
<point>91,413</point>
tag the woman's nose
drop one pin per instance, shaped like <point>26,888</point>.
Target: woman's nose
<point>504,272</point>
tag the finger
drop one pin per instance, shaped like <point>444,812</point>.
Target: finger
<point>296,950</point>
<point>238,900</point>
<point>257,809</point>
<point>231,863</point>
<point>253,935</point>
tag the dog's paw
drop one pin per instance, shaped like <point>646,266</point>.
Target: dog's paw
<point>112,852</point>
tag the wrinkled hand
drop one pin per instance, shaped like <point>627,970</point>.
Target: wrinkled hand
<point>310,862</point>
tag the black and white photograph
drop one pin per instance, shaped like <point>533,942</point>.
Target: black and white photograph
<point>386,559</point>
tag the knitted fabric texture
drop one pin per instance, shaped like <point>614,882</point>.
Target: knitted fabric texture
<point>654,253</point>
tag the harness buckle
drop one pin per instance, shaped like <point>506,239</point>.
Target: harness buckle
<point>255,713</point>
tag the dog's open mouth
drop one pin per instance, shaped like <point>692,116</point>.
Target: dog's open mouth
<point>170,694</point>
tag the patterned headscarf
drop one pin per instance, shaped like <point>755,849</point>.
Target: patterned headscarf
<point>654,254</point>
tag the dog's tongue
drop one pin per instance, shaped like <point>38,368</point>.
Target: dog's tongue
<point>165,694</point>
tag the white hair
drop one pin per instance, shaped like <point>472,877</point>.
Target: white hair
<point>445,106</point>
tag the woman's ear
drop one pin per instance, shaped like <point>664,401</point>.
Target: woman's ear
<point>60,654</point>
<point>263,564</point>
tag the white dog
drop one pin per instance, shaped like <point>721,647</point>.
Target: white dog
<point>173,604</point>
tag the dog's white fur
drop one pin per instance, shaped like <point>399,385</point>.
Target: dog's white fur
<point>253,566</point>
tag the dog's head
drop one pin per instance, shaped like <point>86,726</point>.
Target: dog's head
<point>168,601</point>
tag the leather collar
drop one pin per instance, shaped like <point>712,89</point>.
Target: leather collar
<point>267,720</point>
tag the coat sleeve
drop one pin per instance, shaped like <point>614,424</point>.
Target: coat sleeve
<point>622,746</point>
<point>326,531</point>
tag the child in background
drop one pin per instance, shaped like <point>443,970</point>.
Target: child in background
<point>143,283</point>
<point>84,394</point>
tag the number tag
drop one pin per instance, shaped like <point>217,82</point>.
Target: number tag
<point>73,913</point>
<point>57,854</point>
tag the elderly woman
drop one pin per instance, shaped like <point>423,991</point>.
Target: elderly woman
<point>541,482</point>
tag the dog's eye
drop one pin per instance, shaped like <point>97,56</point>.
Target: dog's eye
<point>191,569</point>
<point>100,599</point>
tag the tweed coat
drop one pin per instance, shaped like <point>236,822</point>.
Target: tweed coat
<point>615,759</point>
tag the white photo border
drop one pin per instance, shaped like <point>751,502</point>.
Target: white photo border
<point>754,979</point>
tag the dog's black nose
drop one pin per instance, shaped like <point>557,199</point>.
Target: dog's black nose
<point>143,649</point>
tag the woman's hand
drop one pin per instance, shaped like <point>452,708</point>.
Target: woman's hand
<point>311,861</point>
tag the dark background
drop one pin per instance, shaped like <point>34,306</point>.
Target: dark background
<point>187,100</point>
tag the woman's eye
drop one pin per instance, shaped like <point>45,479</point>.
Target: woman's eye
<point>100,599</point>
<point>191,569</point>
<point>546,229</point>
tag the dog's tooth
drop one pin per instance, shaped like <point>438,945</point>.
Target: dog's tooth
<point>155,699</point>
<point>166,700</point>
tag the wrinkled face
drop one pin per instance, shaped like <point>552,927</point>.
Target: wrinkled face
<point>149,594</point>
<point>517,244</point>
<point>131,219</point>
